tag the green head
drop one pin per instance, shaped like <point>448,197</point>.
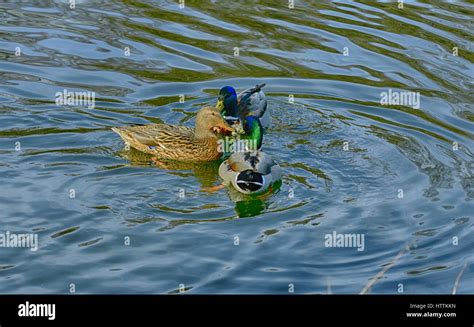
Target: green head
<point>227,101</point>
<point>253,131</point>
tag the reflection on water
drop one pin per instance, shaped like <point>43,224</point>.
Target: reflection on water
<point>396,174</point>
<point>207,176</point>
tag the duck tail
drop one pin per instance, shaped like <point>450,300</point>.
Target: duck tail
<point>122,132</point>
<point>117,130</point>
<point>257,88</point>
<point>250,181</point>
<point>245,101</point>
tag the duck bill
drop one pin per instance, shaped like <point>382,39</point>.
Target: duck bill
<point>220,104</point>
<point>223,128</point>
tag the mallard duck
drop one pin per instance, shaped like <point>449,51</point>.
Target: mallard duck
<point>250,172</point>
<point>250,102</point>
<point>171,142</point>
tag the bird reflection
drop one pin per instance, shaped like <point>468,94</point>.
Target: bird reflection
<point>207,175</point>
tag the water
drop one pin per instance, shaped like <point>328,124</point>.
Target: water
<point>399,180</point>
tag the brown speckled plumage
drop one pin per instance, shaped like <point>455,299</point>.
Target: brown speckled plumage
<point>171,142</point>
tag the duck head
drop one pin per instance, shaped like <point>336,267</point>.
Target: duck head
<point>227,101</point>
<point>210,123</point>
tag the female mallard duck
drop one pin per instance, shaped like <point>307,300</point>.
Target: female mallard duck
<point>170,142</point>
<point>251,102</point>
<point>250,172</point>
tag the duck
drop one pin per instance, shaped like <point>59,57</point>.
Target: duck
<point>251,172</point>
<point>180,143</point>
<point>250,102</point>
<point>248,169</point>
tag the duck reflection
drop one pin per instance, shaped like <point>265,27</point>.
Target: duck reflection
<point>207,174</point>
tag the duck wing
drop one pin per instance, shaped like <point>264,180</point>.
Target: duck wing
<point>256,161</point>
<point>156,134</point>
<point>265,163</point>
<point>252,101</point>
<point>237,162</point>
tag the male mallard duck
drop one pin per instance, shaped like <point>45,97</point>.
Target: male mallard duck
<point>250,102</point>
<point>250,172</point>
<point>171,142</point>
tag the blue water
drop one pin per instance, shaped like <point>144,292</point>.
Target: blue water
<point>346,158</point>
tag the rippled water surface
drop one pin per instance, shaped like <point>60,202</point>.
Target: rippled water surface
<point>401,176</point>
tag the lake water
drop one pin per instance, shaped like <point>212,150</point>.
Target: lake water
<point>108,221</point>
